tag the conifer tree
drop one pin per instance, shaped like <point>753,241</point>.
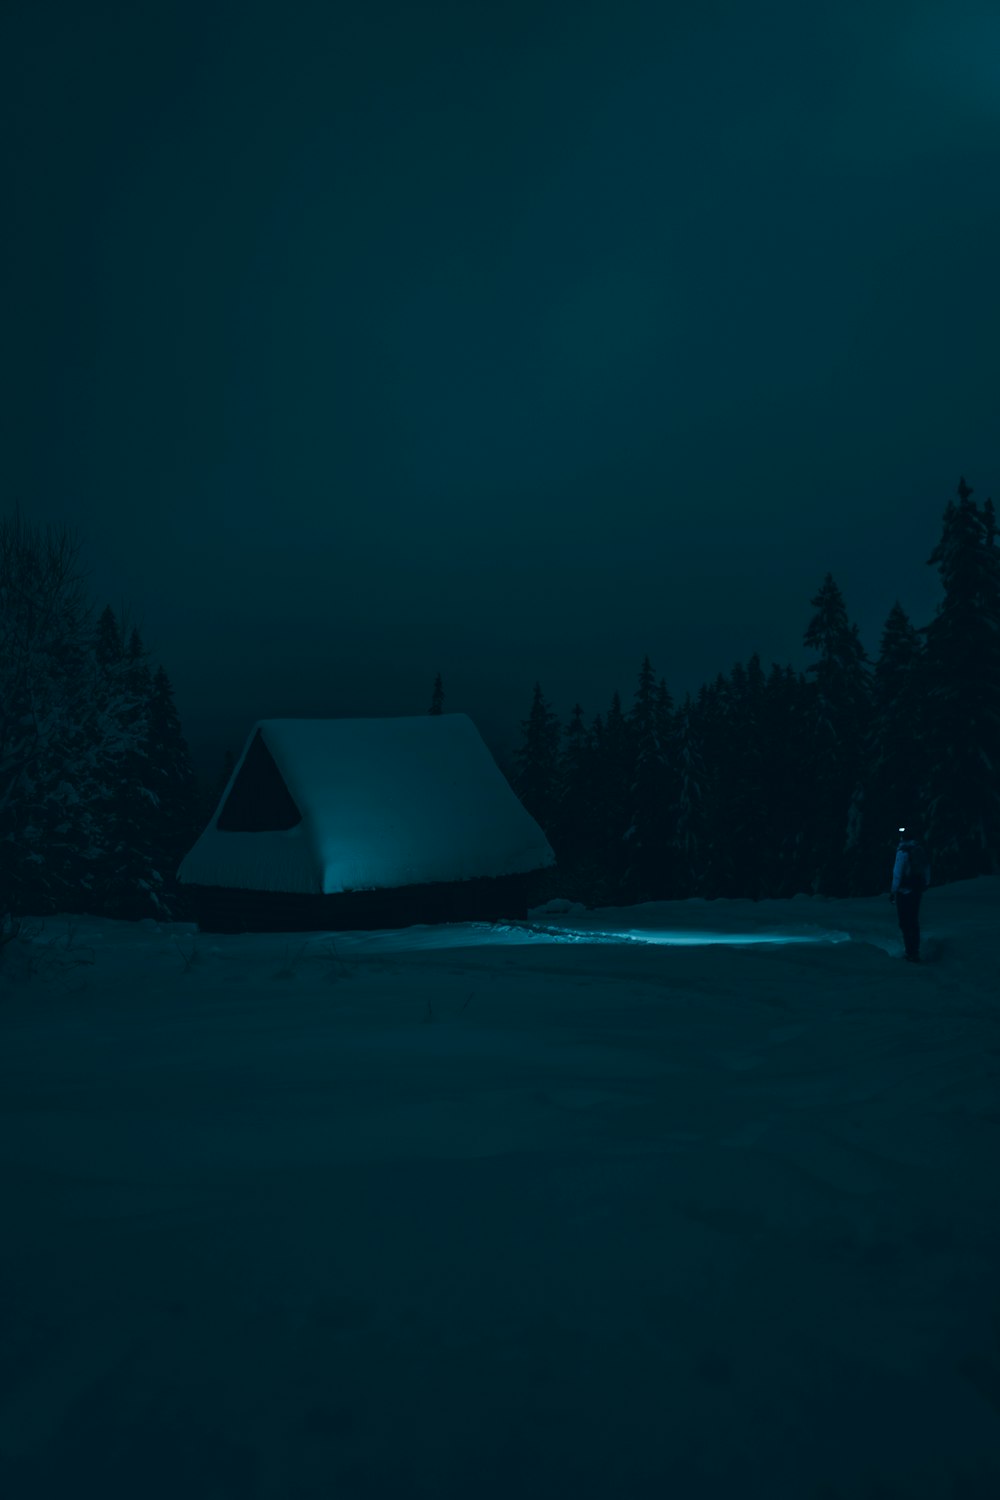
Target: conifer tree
<point>664,720</point>
<point>646,873</point>
<point>893,766</point>
<point>663,714</point>
<point>961,683</point>
<point>172,777</point>
<point>690,808</point>
<point>613,778</point>
<point>437,696</point>
<point>747,778</point>
<point>740,798</point>
<point>77,797</point>
<point>785,854</point>
<point>708,730</point>
<point>593,881</point>
<point>839,722</point>
<point>129,880</point>
<point>109,642</point>
<point>723,862</point>
<point>570,830</point>
<point>536,773</point>
<point>644,702</point>
<point>52,730</point>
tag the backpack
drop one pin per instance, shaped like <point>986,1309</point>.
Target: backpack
<point>917,866</point>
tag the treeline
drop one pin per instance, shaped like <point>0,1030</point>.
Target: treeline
<point>770,783</point>
<point>98,798</point>
<point>764,784</point>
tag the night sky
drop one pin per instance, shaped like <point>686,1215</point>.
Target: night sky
<point>511,341</point>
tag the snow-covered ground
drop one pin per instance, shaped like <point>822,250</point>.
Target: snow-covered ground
<point>641,1203</point>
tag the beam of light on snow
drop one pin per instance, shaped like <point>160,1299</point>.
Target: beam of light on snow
<point>521,934</point>
<point>732,939</point>
<point>666,937</point>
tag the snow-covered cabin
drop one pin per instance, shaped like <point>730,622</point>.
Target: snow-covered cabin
<point>352,823</point>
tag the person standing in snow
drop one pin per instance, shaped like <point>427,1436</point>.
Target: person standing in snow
<point>911,875</point>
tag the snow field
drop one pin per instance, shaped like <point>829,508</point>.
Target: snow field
<point>474,1211</point>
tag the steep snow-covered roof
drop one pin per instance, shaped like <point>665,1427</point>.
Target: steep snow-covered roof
<point>383,802</point>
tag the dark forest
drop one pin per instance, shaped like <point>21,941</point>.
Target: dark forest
<point>766,783</point>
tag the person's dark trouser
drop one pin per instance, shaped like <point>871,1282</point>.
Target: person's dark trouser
<point>908,912</point>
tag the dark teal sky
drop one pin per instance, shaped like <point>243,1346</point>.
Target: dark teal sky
<point>362,341</point>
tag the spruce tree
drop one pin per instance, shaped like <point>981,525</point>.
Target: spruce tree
<point>758,813</point>
<point>594,881</point>
<point>536,774</point>
<point>740,800</point>
<point>785,853</point>
<point>112,704</point>
<point>570,829</point>
<point>129,881</point>
<point>77,798</point>
<point>614,777</point>
<point>173,780</point>
<point>109,642</point>
<point>437,696</point>
<point>746,781</point>
<point>961,696</point>
<point>52,729</point>
<point>690,806</point>
<point>709,732</point>
<point>646,873</point>
<point>663,714</point>
<point>839,722</point>
<point>893,766</point>
<point>739,824</point>
<point>664,721</point>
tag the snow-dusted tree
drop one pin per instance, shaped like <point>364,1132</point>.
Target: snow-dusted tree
<point>437,696</point>
<point>839,722</point>
<point>50,727</point>
<point>129,875</point>
<point>536,764</point>
<point>176,822</point>
<point>961,698</point>
<point>78,799</point>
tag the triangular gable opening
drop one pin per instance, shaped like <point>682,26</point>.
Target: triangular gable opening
<point>259,801</point>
